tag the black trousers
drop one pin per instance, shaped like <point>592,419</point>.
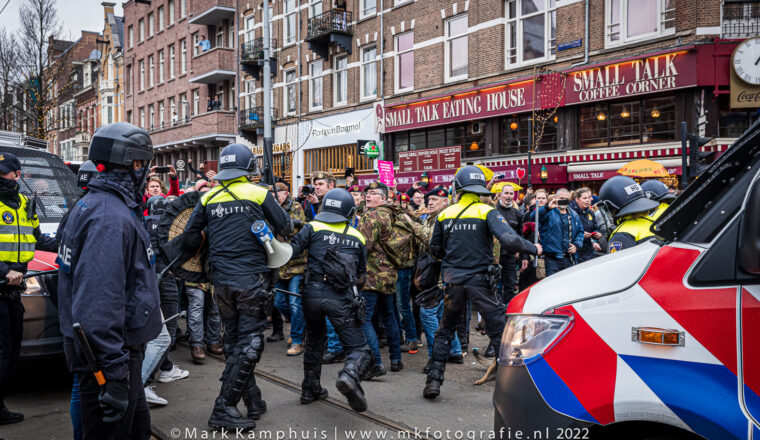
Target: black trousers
<point>11,333</point>
<point>508,277</point>
<point>478,291</point>
<point>320,301</point>
<point>135,425</point>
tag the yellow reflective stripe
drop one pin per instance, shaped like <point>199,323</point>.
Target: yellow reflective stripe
<point>478,210</point>
<point>14,257</point>
<point>240,187</point>
<point>337,227</point>
<point>638,228</point>
<point>14,229</point>
<point>17,240</point>
<point>14,247</point>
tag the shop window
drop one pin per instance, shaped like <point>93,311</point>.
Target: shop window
<point>531,31</point>
<point>400,143</point>
<point>632,20</point>
<point>515,135</point>
<point>404,63</point>
<point>456,51</point>
<point>641,121</point>
<point>733,122</point>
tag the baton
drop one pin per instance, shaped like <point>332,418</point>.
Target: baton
<point>31,274</point>
<point>181,314</point>
<point>288,292</point>
<point>163,272</point>
<point>84,344</point>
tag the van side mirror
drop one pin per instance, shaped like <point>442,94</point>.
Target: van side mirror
<point>749,240</point>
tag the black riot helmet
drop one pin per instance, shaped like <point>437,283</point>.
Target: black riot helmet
<point>157,205</point>
<point>658,191</point>
<point>471,179</point>
<point>87,171</point>
<point>235,161</point>
<point>621,195</point>
<point>120,144</point>
<point>337,206</point>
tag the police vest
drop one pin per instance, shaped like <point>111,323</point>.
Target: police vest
<point>17,233</point>
<point>654,215</point>
<point>637,229</point>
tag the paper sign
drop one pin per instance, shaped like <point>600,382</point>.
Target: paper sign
<point>385,172</point>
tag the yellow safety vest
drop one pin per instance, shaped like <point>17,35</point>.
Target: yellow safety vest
<point>654,215</point>
<point>17,233</point>
<point>638,228</point>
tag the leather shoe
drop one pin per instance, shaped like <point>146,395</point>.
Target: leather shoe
<point>376,371</point>
<point>397,365</point>
<point>490,351</point>
<point>274,337</point>
<point>328,357</point>
<point>432,389</point>
<point>198,354</point>
<point>7,417</point>
<point>215,349</point>
<point>456,359</point>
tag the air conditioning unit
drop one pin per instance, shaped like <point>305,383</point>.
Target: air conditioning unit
<point>477,127</point>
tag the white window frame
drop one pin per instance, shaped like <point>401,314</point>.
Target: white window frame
<point>623,25</point>
<point>219,36</point>
<point>182,8</point>
<point>231,35</point>
<point>365,11</point>
<point>397,63</point>
<point>287,14</point>
<point>285,91</point>
<point>518,22</point>
<point>447,51</point>
<point>152,116</point>
<point>141,25</point>
<point>336,72</point>
<point>401,2</point>
<point>171,12</point>
<point>182,113</point>
<point>161,61</point>
<point>172,109</point>
<point>196,101</point>
<point>196,41</point>
<point>172,59</point>
<point>313,5</point>
<point>362,78</point>
<point>183,56</point>
<point>151,71</point>
<point>313,80</point>
<point>161,111</point>
<point>250,32</point>
<point>160,18</point>
<point>151,24</point>
<point>249,94</point>
<point>142,74</point>
<point>131,32</point>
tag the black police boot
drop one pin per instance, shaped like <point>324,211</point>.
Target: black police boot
<point>311,388</point>
<point>276,336</point>
<point>348,385</point>
<point>7,417</point>
<point>226,415</point>
<point>374,371</point>
<point>490,351</point>
<point>328,357</point>
<point>255,405</point>
<point>397,366</point>
<point>456,359</point>
<point>434,380</point>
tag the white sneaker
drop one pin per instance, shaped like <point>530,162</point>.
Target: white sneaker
<point>153,399</point>
<point>175,373</point>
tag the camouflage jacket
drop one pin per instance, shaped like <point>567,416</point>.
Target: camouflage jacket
<point>374,225</point>
<point>298,265</point>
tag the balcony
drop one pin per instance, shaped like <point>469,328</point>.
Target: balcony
<point>253,119</point>
<point>216,125</point>
<point>741,19</point>
<point>214,66</point>
<point>333,26</point>
<point>107,84</point>
<point>252,57</point>
<point>222,10</point>
<point>82,138</point>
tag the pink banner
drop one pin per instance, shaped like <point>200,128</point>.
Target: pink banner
<point>385,170</point>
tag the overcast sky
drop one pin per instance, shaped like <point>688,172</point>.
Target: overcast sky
<point>73,15</point>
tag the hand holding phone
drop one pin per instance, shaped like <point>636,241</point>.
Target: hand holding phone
<point>161,170</point>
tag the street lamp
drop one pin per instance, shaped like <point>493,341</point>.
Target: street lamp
<point>544,173</point>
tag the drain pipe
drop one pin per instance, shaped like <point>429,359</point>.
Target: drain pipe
<point>585,42</point>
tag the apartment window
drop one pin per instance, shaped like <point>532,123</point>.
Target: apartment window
<point>141,24</point>
<point>289,26</point>
<point>631,20</point>
<point>368,7</point>
<point>231,35</point>
<point>161,66</point>
<point>142,74</point>
<point>404,63</point>
<point>184,106</point>
<point>315,8</point>
<point>183,56</point>
<point>150,24</point>
<point>142,117</point>
<point>315,85</point>
<point>131,33</point>
<point>340,80</point>
<point>289,96</point>
<point>160,18</point>
<point>250,33</point>
<point>740,20</point>
<point>368,78</point>
<point>220,36</point>
<point>107,109</point>
<point>196,41</point>
<point>531,31</point>
<point>172,109</point>
<point>456,50</point>
<point>129,117</point>
<point>128,80</point>
<point>161,111</point>
<point>171,12</point>
<point>249,97</point>
<point>182,8</point>
<point>171,61</point>
<point>196,101</point>
<point>151,71</point>
<point>152,115</point>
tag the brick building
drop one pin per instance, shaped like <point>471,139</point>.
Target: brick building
<point>111,83</point>
<point>420,75</point>
<point>182,94</point>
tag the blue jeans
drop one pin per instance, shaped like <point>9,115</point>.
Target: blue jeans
<point>291,307</point>
<point>402,301</point>
<point>385,305</point>
<point>430,319</point>
<point>202,330</point>
<point>554,265</point>
<point>333,340</point>
<point>75,410</point>
<point>154,351</point>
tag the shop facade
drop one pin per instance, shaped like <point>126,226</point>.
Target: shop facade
<point>590,121</point>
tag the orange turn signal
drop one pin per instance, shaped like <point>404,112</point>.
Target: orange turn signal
<point>657,336</point>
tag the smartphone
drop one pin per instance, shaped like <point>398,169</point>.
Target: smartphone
<point>349,171</point>
<point>563,202</point>
<point>162,170</point>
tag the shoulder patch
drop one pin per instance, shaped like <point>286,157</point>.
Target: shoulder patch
<point>501,218</point>
<point>615,246</point>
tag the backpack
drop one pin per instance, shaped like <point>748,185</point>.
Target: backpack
<point>398,245</point>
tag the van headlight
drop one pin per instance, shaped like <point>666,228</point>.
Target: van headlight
<point>526,336</point>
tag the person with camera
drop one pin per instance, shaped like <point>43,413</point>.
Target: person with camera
<point>311,195</point>
<point>224,217</point>
<point>560,232</point>
<point>581,204</point>
<point>336,264</point>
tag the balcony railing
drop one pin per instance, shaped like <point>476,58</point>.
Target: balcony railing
<point>253,51</point>
<point>332,21</point>
<point>254,117</point>
<point>741,20</point>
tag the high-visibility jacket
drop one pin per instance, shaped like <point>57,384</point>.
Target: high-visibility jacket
<point>17,239</point>
<point>630,233</point>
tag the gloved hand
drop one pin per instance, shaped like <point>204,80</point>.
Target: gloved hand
<point>114,399</point>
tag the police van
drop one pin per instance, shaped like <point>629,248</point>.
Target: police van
<point>656,341</point>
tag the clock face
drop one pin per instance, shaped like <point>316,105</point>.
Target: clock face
<point>747,61</point>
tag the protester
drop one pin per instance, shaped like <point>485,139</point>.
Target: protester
<point>581,205</point>
<point>560,232</point>
<point>508,260</point>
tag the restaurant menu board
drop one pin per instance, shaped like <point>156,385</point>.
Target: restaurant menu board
<point>446,158</point>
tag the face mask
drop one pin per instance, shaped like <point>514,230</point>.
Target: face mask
<point>8,185</point>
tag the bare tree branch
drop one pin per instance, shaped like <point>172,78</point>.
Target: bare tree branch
<point>8,77</point>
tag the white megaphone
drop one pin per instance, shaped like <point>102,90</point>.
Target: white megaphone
<point>277,253</point>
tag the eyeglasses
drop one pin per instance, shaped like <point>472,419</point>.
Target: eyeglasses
<point>375,193</point>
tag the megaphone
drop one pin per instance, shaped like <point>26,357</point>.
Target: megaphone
<point>277,253</point>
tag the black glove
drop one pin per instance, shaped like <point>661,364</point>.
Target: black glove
<point>114,399</point>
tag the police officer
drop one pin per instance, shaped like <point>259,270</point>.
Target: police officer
<point>240,276</point>
<point>659,192</point>
<point>466,251</point>
<point>629,206</point>
<point>320,299</point>
<point>107,284</point>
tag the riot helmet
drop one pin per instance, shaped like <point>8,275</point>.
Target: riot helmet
<point>621,196</point>
<point>471,179</point>
<point>235,161</point>
<point>658,191</point>
<point>157,205</point>
<point>337,206</point>
<point>118,145</point>
<point>87,172</point>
